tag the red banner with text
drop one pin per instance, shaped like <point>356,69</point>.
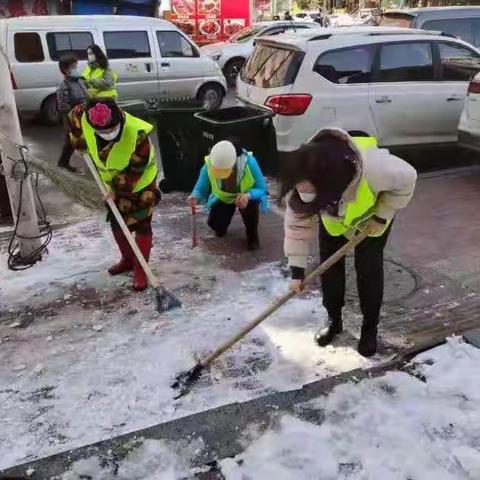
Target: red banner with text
<point>210,20</point>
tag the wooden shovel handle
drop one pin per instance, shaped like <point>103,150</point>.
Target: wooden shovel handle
<point>194,226</point>
<point>322,268</point>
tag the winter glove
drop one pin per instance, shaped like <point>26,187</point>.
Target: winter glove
<point>242,200</point>
<point>374,225</point>
<point>296,286</point>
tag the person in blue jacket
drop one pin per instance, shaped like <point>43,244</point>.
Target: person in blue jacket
<point>231,178</point>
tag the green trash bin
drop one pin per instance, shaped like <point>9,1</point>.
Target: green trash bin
<point>251,126</point>
<point>179,140</point>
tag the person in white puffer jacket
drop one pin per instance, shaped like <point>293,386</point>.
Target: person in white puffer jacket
<point>345,184</point>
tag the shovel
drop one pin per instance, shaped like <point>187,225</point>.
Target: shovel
<point>166,300</point>
<point>185,380</point>
<point>194,226</point>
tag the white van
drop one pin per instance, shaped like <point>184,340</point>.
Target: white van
<point>152,57</point>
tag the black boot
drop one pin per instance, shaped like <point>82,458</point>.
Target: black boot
<point>325,335</point>
<point>253,243</point>
<point>367,346</point>
<point>250,216</point>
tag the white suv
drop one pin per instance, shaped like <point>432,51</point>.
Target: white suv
<point>231,54</point>
<point>395,84</point>
<point>469,126</point>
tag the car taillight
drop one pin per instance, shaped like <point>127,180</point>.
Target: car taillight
<point>289,104</point>
<point>474,86</point>
<point>14,83</point>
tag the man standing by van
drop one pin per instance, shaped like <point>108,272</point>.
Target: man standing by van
<point>71,92</point>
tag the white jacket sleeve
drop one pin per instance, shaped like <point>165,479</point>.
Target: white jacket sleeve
<point>391,178</point>
<point>299,233</point>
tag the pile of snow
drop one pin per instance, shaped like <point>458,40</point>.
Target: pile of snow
<point>84,375</point>
<point>395,427</point>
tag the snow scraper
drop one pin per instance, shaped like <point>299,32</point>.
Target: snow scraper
<point>165,299</point>
<point>185,380</point>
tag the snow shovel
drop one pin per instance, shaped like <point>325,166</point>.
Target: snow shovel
<point>185,380</point>
<point>194,226</point>
<point>166,300</point>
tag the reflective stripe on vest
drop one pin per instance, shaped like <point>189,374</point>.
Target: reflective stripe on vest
<point>96,74</point>
<point>119,156</point>
<point>246,184</point>
<point>359,211</point>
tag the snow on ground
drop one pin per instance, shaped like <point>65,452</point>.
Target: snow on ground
<point>82,375</point>
<point>150,460</point>
<point>394,427</point>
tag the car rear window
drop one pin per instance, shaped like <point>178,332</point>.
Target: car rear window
<point>452,57</point>
<point>460,27</point>
<point>272,67</point>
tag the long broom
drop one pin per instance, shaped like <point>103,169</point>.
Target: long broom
<point>185,380</point>
<point>166,300</point>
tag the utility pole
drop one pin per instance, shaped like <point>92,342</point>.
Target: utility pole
<point>19,186</point>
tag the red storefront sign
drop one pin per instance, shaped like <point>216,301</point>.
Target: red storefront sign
<point>210,20</point>
<point>20,8</point>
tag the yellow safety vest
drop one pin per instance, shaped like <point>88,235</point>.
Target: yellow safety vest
<point>119,156</point>
<point>246,184</point>
<point>95,74</point>
<point>359,210</point>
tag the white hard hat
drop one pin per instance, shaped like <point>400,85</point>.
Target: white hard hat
<point>223,157</point>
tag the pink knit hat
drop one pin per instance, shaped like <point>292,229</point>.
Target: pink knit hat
<point>100,115</point>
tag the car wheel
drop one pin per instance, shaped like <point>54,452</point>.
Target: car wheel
<point>232,70</point>
<point>49,111</point>
<point>211,95</point>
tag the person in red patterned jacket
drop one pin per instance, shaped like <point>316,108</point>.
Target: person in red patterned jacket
<point>120,148</point>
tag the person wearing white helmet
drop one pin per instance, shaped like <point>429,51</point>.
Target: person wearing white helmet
<point>231,178</point>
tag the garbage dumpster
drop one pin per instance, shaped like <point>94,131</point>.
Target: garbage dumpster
<point>251,126</point>
<point>178,136</point>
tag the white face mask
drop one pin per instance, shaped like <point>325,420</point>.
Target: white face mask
<point>307,197</point>
<point>110,135</point>
<point>92,58</point>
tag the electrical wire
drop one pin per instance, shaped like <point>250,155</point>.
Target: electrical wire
<point>17,260</point>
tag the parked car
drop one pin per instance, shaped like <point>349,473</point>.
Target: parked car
<point>231,55</point>
<point>469,126</point>
<point>463,22</point>
<point>395,84</point>
<point>152,57</point>
<point>303,17</point>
